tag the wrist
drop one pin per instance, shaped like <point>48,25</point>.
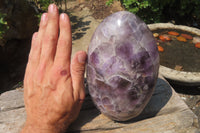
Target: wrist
<point>34,128</point>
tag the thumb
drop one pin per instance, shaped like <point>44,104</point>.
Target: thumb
<point>77,74</point>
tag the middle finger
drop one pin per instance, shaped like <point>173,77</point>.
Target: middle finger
<point>51,35</point>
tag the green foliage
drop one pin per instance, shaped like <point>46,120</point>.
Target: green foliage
<point>109,2</point>
<point>3,25</point>
<point>152,11</point>
<point>43,5</point>
<point>135,5</point>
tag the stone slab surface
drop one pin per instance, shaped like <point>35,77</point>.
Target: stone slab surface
<point>165,113</point>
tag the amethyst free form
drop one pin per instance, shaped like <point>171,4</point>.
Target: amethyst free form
<point>122,68</point>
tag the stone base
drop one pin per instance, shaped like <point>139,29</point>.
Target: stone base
<point>166,112</point>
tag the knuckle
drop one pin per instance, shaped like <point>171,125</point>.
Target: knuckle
<point>49,39</point>
<point>78,69</point>
<point>62,42</point>
<point>53,18</point>
<point>53,78</point>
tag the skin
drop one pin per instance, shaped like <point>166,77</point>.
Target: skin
<point>53,84</point>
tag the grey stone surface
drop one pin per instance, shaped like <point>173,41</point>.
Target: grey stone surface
<point>12,111</point>
<point>11,100</point>
<point>86,29</point>
<point>165,113</point>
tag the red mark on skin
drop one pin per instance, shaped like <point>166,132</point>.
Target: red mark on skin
<point>63,72</point>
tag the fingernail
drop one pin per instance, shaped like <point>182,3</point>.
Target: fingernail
<point>82,58</point>
<point>52,8</point>
<point>44,17</point>
<point>63,16</point>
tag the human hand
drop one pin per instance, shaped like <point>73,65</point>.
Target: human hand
<point>53,85</point>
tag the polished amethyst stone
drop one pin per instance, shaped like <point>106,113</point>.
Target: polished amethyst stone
<point>122,66</point>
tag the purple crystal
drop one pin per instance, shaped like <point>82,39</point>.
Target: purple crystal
<point>122,66</point>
